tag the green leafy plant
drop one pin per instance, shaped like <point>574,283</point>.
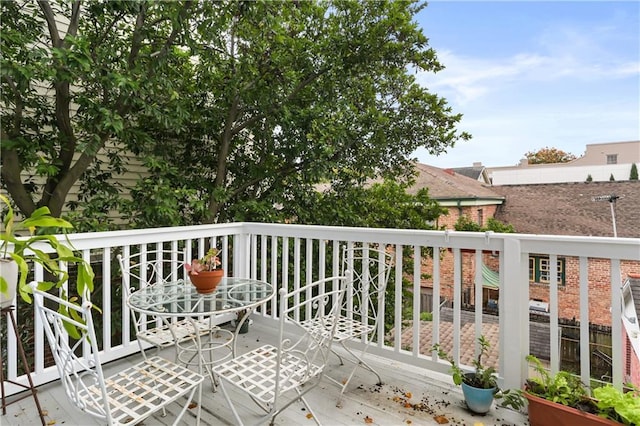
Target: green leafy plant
<point>621,407</point>
<point>482,377</point>
<point>563,387</point>
<point>29,249</point>
<point>567,389</point>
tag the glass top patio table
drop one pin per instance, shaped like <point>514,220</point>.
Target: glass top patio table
<point>181,299</point>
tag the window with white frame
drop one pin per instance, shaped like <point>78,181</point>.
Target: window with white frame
<point>540,270</point>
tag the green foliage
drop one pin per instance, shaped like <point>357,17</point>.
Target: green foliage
<point>426,316</point>
<point>29,248</point>
<point>589,178</point>
<point>611,178</point>
<point>282,96</point>
<point>104,73</point>
<point>548,155</point>
<point>464,223</point>
<point>564,388</point>
<point>382,205</point>
<point>633,175</point>
<point>621,407</point>
<point>483,377</point>
<point>567,389</point>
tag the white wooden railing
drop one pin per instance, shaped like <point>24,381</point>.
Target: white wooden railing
<point>289,255</point>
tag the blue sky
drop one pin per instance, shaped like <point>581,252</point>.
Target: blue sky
<point>528,75</point>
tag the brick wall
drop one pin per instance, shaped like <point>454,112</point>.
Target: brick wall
<point>568,295</point>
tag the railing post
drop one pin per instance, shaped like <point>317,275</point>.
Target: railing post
<point>241,255</point>
<point>514,314</point>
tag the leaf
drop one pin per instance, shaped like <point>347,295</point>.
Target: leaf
<point>441,420</point>
<point>368,420</point>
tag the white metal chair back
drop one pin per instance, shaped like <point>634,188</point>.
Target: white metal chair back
<point>298,363</point>
<point>151,267</point>
<point>156,267</point>
<point>370,270</point>
<point>127,397</point>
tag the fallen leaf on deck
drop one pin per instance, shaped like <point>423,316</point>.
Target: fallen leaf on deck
<point>408,422</point>
<point>51,422</point>
<point>309,416</point>
<point>368,420</point>
<point>408,394</point>
<point>478,424</point>
<point>193,405</point>
<point>441,420</point>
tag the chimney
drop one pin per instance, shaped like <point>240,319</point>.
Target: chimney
<point>477,164</point>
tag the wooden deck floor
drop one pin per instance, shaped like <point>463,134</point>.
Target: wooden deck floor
<point>409,396</point>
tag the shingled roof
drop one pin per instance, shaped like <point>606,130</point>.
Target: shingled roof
<point>568,208</point>
<point>445,184</point>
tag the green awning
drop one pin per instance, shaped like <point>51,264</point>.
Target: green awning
<point>490,279</point>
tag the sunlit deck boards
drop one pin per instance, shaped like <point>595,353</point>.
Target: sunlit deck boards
<point>364,403</point>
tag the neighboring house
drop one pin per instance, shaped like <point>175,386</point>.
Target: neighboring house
<point>458,193</point>
<point>600,162</point>
<point>553,209</point>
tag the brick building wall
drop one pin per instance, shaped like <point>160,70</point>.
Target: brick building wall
<point>568,294</point>
<point>479,214</point>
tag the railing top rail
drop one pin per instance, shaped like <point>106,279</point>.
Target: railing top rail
<point>617,248</point>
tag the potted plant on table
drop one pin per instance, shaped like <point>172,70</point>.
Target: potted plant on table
<point>480,386</point>
<point>563,400</point>
<point>205,273</point>
<point>16,251</point>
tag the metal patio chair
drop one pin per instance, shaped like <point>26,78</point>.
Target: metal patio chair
<point>153,267</point>
<point>359,317</point>
<point>275,377</point>
<point>127,397</point>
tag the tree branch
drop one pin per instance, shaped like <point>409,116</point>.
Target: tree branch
<point>49,16</point>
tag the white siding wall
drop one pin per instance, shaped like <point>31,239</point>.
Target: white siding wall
<point>560,174</point>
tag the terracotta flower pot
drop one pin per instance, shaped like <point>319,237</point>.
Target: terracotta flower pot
<point>206,281</point>
<point>543,412</point>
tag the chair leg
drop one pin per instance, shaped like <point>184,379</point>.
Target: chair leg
<point>188,403</point>
<point>358,361</point>
<point>230,404</point>
<point>338,356</point>
<point>300,397</point>
<point>362,363</point>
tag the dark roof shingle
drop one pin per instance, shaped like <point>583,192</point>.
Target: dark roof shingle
<point>569,209</point>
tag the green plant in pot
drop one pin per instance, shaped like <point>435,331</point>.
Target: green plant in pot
<point>17,251</point>
<point>562,399</point>
<point>480,386</point>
